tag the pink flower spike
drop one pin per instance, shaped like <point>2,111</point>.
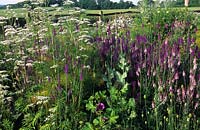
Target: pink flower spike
<point>183,73</point>
<point>196,105</point>
<point>183,93</point>
<point>139,83</point>
<point>178,92</point>
<point>176,76</point>
<point>197,96</point>
<point>170,89</point>
<point>195,60</point>
<point>191,50</point>
<point>153,104</point>
<point>145,51</point>
<point>166,41</point>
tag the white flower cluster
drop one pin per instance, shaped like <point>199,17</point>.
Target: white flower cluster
<point>9,30</point>
<point>40,100</point>
<point>121,22</point>
<point>3,92</point>
<point>68,2</point>
<point>4,76</point>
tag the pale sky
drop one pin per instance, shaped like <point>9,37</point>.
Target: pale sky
<point>3,2</point>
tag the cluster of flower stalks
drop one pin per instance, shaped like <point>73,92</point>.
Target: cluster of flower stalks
<point>164,77</point>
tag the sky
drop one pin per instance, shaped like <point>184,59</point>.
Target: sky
<point>4,2</point>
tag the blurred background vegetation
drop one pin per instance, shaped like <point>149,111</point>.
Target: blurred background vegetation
<point>106,4</point>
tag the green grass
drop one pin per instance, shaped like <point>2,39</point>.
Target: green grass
<point>190,8</point>
<point>21,12</point>
<point>110,11</point>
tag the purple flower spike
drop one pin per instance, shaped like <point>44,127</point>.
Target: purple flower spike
<point>109,30</point>
<point>77,27</point>
<point>54,32</point>
<point>66,69</point>
<point>49,79</point>
<point>198,55</point>
<point>59,88</point>
<point>61,29</point>
<point>158,26</point>
<point>81,75</point>
<point>98,39</point>
<point>134,84</point>
<point>69,93</point>
<point>159,37</point>
<point>198,76</point>
<point>180,41</point>
<point>100,106</point>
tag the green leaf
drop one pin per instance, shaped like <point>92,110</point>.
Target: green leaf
<point>113,94</point>
<point>122,61</point>
<point>127,68</point>
<point>88,126</point>
<point>123,102</point>
<point>119,77</point>
<point>124,75</point>
<point>90,106</point>
<point>108,110</point>
<point>131,102</point>
<point>91,98</point>
<point>95,122</point>
<point>124,88</point>
<point>97,95</point>
<point>113,118</point>
<point>45,127</point>
<point>133,114</point>
<point>105,78</point>
<point>36,118</point>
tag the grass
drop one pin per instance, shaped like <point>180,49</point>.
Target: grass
<point>20,12</point>
<point>110,11</point>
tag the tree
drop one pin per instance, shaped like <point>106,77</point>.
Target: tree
<point>76,4</point>
<point>88,4</point>
<point>106,4</point>
<point>125,5</point>
<point>192,3</point>
<point>52,2</point>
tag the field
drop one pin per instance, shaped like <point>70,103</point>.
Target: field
<point>68,70</point>
<point>22,12</point>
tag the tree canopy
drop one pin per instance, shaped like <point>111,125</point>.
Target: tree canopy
<point>104,4</point>
<point>85,4</point>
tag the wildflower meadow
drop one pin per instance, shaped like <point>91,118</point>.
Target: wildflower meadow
<point>119,72</point>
